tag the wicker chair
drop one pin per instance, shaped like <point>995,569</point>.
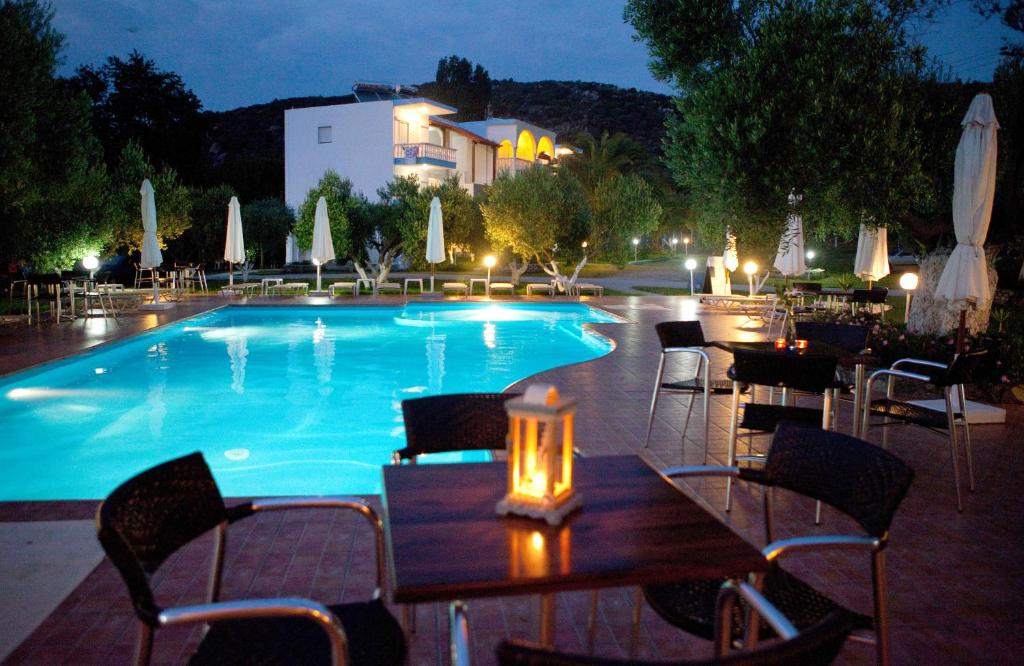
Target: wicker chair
<point>150,516</point>
<point>818,644</point>
<point>454,422</point>
<point>868,299</point>
<point>683,337</point>
<point>859,479</point>
<point>946,377</point>
<point>803,372</point>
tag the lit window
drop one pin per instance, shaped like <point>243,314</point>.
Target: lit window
<point>323,134</point>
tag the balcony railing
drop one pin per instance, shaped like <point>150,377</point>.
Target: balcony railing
<point>513,164</point>
<point>424,153</point>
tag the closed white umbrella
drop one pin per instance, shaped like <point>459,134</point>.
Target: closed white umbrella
<point>872,260</point>
<point>964,280</point>
<point>435,237</point>
<point>151,256</point>
<point>234,247</point>
<point>323,246</point>
<point>789,260</point>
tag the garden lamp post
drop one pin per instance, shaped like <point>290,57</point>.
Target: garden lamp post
<point>750,268</point>
<point>908,282</point>
<point>675,242</point>
<point>636,245</point>
<point>584,246</point>
<point>489,262</point>
<point>691,264</point>
<point>686,245</point>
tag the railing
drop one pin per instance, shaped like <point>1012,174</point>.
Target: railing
<point>420,151</point>
<point>513,164</point>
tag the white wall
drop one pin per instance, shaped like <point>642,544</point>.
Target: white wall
<point>484,156</point>
<point>360,150</point>
<point>463,165</point>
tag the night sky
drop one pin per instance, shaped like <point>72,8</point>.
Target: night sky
<point>234,53</point>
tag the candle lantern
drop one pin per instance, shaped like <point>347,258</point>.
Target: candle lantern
<point>539,444</point>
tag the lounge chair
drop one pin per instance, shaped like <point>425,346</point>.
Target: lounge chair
<point>501,286</point>
<point>457,287</point>
<point>342,286</point>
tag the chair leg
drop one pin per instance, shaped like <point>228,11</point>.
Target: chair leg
<point>592,622</point>
<point>881,607</point>
<point>634,636</point>
<point>954,453</point>
<point>654,399</point>
<point>967,437</point>
<point>689,407</point>
<point>731,455</point>
<point>707,400</point>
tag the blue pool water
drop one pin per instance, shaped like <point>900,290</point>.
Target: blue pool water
<point>281,401</point>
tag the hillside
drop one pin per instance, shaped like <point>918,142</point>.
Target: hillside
<point>250,139</point>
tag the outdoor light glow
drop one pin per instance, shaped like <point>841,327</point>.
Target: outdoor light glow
<point>636,241</point>
<point>675,241</point>
<point>686,240</point>
<point>810,255</point>
<point>90,262</point>
<point>750,268</point>
<point>691,264</point>
<point>316,262</point>
<point>908,281</point>
<point>489,260</point>
<point>584,245</point>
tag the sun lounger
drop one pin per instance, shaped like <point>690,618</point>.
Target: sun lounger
<point>548,287</point>
<point>342,286</point>
<point>595,289</point>
<point>457,287</point>
<point>501,286</point>
<point>287,289</point>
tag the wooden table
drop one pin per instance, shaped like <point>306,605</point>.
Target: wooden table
<point>445,541</point>
<point>845,357</point>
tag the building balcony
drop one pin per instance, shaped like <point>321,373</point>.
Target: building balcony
<point>513,164</point>
<point>424,153</point>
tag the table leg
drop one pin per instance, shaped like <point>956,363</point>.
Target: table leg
<point>858,398</point>
<point>547,620</point>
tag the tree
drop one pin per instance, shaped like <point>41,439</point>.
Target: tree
<point>203,241</point>
<point>624,207</point>
<point>1011,14</point>
<point>538,214</point>
<point>134,101</point>
<point>340,202</point>
<point>604,157</point>
<point>173,201</point>
<point>267,223</point>
<point>465,86</point>
<point>816,96</point>
<point>53,187</point>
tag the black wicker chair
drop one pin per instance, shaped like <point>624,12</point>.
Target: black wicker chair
<point>787,370</point>
<point>859,479</point>
<point>454,422</point>
<point>950,379</point>
<point>818,644</point>
<point>150,516</point>
<point>867,299</point>
<point>683,337</point>
<point>850,337</point>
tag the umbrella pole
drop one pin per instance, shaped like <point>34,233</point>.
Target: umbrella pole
<point>156,289</point>
<point>431,278</point>
<point>231,275</point>
<point>318,276</point>
<point>869,284</point>
<point>961,332</point>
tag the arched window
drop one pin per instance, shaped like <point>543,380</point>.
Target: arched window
<point>526,146</point>
<point>505,149</point>
<point>545,148</point>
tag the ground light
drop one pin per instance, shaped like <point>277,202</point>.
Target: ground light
<point>690,265</point>
<point>636,244</point>
<point>750,268</point>
<point>489,262</point>
<point>908,282</point>
<point>675,242</point>
<point>686,245</point>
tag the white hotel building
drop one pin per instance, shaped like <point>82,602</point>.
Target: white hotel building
<point>372,142</point>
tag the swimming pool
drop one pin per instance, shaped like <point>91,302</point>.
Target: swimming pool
<point>281,400</point>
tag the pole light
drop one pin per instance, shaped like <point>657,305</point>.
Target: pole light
<point>686,245</point>
<point>636,245</point>
<point>690,265</point>
<point>908,282</point>
<point>750,268</point>
<point>810,255</point>
<point>90,263</point>
<point>675,242</point>
<point>489,262</point>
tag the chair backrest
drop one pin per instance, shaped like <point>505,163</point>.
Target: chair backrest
<point>153,514</point>
<point>804,372</point>
<point>851,337</point>
<point>876,295</point>
<point>959,371</point>
<point>455,422</point>
<point>816,645</point>
<point>680,334</point>
<point>860,479</point>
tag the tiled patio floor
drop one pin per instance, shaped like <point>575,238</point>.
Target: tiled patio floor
<point>954,578</point>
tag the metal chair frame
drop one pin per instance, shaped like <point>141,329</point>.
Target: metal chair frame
<point>944,380</point>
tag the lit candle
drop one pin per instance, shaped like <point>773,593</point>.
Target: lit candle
<point>801,344</point>
<point>780,343</point>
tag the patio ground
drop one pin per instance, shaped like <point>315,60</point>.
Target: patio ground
<point>954,578</point>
